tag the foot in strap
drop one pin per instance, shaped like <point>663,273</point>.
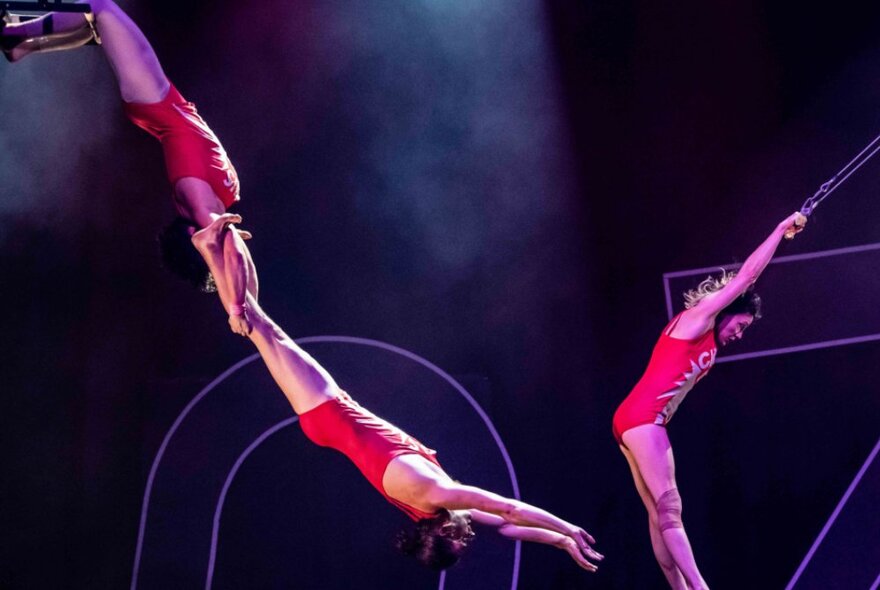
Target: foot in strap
<point>16,47</point>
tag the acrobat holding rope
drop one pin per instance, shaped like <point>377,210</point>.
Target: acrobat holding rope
<point>832,184</point>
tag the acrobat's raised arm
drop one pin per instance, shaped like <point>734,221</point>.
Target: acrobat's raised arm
<point>701,318</point>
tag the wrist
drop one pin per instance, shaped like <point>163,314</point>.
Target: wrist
<point>238,309</point>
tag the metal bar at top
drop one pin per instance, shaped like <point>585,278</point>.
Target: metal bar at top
<point>44,6</point>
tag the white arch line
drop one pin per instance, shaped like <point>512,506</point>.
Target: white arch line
<point>148,489</point>
<point>312,339</point>
<point>218,510</point>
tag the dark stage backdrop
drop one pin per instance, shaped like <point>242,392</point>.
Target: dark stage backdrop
<point>496,186</point>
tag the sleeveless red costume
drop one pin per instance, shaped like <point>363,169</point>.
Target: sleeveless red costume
<point>190,147</point>
<point>675,367</point>
<point>367,440</point>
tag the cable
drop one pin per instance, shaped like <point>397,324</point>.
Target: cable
<point>835,181</point>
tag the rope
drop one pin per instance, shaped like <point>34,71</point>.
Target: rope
<point>835,181</point>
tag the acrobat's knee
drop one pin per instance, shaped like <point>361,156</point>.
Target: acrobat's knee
<point>669,510</point>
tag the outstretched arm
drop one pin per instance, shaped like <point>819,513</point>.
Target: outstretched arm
<point>539,535</point>
<point>222,246</point>
<point>455,496</point>
<point>241,274</point>
<point>304,382</point>
<point>699,319</point>
<point>197,201</point>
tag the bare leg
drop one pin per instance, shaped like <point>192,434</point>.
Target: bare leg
<point>650,448</point>
<point>61,22</point>
<point>661,552</point>
<point>133,60</point>
<point>18,40</point>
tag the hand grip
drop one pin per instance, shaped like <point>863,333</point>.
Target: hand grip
<point>799,222</point>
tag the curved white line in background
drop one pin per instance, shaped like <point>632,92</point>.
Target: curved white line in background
<point>465,394</point>
<point>145,505</point>
<point>215,531</point>
<point>312,339</point>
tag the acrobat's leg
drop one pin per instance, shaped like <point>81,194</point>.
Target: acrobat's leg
<point>131,56</point>
<point>649,446</point>
<point>22,35</point>
<point>661,552</point>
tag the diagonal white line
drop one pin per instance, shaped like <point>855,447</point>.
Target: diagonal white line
<point>876,583</point>
<point>831,520</point>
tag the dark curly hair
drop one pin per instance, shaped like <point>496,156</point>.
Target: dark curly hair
<point>180,258</point>
<point>749,302</point>
<point>430,545</point>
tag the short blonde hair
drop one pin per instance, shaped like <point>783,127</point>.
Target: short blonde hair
<point>706,287</point>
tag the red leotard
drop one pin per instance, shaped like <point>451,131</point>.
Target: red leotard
<point>190,147</point>
<point>367,440</point>
<point>675,367</point>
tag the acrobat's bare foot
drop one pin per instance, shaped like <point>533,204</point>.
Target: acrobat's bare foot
<point>210,238</point>
<point>21,36</point>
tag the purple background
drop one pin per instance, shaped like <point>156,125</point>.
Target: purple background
<point>497,186</point>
